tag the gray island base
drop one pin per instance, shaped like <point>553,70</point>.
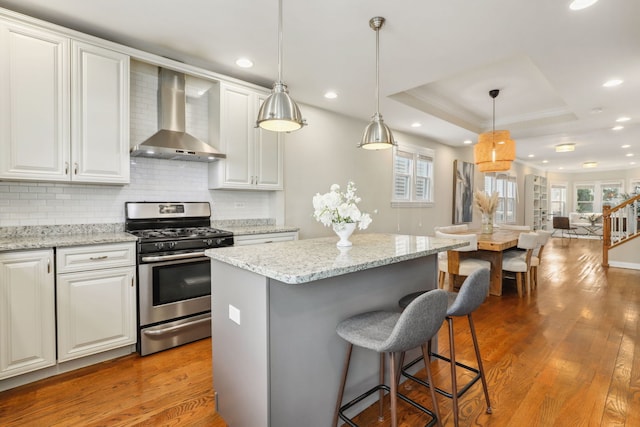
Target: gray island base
<point>277,359</point>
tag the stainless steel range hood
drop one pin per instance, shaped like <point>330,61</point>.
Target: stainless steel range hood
<point>172,141</point>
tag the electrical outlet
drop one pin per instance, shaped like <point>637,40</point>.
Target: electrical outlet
<point>239,204</point>
<point>234,314</point>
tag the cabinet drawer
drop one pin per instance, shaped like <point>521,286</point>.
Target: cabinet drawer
<point>93,257</point>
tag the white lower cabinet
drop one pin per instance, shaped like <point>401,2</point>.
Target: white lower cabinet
<point>97,305</point>
<point>27,312</point>
<point>255,239</point>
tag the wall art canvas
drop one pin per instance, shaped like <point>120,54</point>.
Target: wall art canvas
<point>462,191</point>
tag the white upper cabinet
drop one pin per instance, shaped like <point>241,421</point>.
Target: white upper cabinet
<point>99,114</point>
<point>254,156</point>
<point>34,115</point>
<point>64,113</point>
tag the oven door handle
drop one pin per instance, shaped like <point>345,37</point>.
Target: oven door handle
<point>172,257</point>
<point>171,329</point>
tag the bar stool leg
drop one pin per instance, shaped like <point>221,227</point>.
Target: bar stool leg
<point>454,379</point>
<point>345,369</point>
<point>480,367</point>
<point>426,351</point>
<point>394,389</point>
<point>381,392</point>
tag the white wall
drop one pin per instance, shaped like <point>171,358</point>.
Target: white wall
<point>325,153</point>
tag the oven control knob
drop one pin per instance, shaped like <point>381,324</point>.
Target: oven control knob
<point>171,245</point>
<point>159,245</point>
<point>208,242</point>
<point>219,241</point>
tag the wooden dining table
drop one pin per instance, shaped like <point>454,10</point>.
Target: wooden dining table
<point>490,248</point>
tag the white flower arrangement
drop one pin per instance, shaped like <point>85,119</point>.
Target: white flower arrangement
<point>336,207</point>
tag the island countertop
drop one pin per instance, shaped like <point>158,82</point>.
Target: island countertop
<point>307,260</point>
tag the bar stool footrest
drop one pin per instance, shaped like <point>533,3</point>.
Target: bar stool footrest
<point>463,390</point>
<point>385,387</point>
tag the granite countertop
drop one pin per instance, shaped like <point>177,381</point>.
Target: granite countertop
<point>37,237</point>
<point>57,241</point>
<point>302,261</point>
<point>243,230</point>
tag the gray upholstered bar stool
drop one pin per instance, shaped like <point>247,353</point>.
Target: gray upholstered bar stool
<point>471,295</point>
<point>392,332</point>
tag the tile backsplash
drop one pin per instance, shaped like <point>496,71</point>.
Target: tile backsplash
<point>44,203</point>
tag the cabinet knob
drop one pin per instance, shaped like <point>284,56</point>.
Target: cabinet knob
<point>75,168</point>
<point>66,168</point>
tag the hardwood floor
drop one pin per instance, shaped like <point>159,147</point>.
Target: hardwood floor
<point>568,355</point>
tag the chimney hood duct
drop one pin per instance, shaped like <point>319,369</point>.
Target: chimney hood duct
<point>172,141</point>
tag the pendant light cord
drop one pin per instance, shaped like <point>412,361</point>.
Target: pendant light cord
<point>377,71</point>
<point>279,41</point>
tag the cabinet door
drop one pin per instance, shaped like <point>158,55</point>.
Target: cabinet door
<point>236,137</point>
<point>268,162</point>
<point>100,115</point>
<point>96,311</point>
<point>27,312</point>
<point>34,106</point>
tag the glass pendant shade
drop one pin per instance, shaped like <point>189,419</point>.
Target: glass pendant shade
<point>279,113</point>
<point>377,135</point>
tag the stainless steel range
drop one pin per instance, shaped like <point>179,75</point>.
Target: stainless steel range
<point>174,276</point>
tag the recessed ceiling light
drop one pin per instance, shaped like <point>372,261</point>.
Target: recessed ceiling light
<point>623,119</point>
<point>612,83</point>
<point>629,154</point>
<point>589,164</point>
<point>244,63</point>
<point>596,110</point>
<point>331,95</point>
<point>560,168</point>
<point>632,163</point>
<point>581,4</point>
<point>545,161</point>
<point>416,125</point>
<point>468,141</point>
<point>625,146</point>
<point>617,127</point>
<point>531,155</point>
<point>565,148</point>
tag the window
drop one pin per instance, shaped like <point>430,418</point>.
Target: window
<point>558,200</point>
<point>585,198</point>
<point>506,186</point>
<point>412,176</point>
<point>611,192</point>
<point>590,196</point>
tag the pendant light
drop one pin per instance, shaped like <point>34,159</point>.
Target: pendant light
<point>280,113</point>
<point>495,150</point>
<point>377,135</point>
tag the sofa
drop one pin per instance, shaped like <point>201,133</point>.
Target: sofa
<point>581,221</point>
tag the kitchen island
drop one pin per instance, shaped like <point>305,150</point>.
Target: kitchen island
<point>276,357</point>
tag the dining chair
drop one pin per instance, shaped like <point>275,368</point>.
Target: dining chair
<point>467,264</point>
<point>515,227</point>
<point>536,256</point>
<point>519,262</point>
<point>452,228</point>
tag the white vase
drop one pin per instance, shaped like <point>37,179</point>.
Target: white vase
<point>344,230</point>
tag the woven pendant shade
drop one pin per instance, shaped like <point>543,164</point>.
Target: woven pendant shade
<point>495,149</point>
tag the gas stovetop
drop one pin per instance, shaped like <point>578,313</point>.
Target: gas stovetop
<point>173,227</point>
<point>155,235</point>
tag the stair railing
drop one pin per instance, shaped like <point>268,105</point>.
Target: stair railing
<point>619,225</point>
